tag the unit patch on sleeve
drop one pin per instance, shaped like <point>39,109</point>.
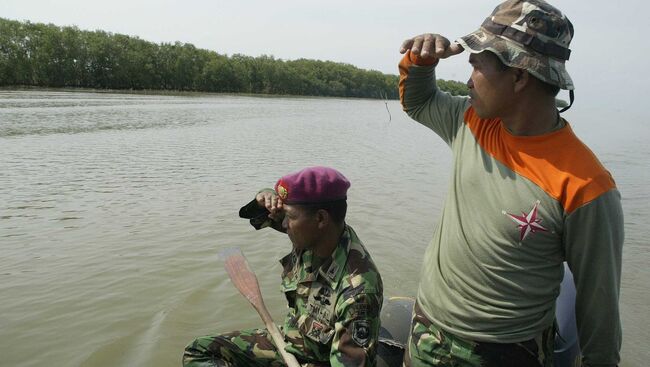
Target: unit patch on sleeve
<point>361,332</point>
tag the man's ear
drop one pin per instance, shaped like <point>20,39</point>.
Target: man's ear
<point>323,218</point>
<point>521,79</point>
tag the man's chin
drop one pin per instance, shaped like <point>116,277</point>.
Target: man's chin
<point>297,246</point>
<point>483,114</point>
<point>301,247</point>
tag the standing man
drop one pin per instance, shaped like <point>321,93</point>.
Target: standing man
<point>332,286</point>
<point>526,194</point>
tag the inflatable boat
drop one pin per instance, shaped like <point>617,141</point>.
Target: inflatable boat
<point>396,321</point>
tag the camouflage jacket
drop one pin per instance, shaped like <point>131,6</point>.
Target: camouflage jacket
<point>334,309</point>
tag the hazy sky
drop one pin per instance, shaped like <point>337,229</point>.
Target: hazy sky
<point>609,52</point>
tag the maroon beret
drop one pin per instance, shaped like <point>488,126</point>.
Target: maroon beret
<point>312,185</point>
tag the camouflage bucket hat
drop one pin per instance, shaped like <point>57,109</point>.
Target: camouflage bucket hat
<point>527,34</point>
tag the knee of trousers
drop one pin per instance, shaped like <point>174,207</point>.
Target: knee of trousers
<point>203,347</point>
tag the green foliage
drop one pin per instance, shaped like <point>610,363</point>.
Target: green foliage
<point>453,87</point>
<point>45,55</point>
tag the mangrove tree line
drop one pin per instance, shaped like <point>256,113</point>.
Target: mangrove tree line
<point>46,55</point>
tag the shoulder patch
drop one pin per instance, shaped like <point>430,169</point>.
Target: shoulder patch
<point>361,332</point>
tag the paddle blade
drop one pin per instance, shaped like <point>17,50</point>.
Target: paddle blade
<point>246,282</point>
<point>241,276</point>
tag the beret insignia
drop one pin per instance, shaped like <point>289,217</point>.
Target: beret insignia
<point>282,192</point>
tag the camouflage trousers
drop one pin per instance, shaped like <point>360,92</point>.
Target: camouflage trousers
<point>249,347</point>
<point>428,345</point>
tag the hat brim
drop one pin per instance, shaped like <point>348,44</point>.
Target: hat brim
<point>546,68</point>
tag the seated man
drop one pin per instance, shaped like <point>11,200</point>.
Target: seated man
<point>332,286</point>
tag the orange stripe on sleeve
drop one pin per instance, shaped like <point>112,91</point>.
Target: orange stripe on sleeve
<point>407,61</point>
<point>557,162</point>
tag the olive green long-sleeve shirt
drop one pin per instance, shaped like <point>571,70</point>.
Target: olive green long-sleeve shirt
<point>517,207</point>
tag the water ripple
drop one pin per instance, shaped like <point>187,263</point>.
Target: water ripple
<point>113,209</point>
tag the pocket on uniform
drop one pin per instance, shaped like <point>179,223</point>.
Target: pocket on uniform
<point>315,330</point>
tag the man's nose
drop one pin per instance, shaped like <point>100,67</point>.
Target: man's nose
<point>285,223</point>
<point>470,83</point>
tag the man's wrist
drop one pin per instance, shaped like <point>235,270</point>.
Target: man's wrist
<point>421,61</point>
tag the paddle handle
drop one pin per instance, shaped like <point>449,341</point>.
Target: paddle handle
<point>246,282</point>
<point>278,339</point>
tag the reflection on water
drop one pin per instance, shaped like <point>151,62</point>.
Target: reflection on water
<point>113,209</point>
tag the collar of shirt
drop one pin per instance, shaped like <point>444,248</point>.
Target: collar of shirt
<point>297,265</point>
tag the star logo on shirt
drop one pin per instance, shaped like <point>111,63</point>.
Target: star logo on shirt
<point>527,223</point>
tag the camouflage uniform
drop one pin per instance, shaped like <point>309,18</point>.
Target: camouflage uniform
<point>333,316</point>
<point>429,345</point>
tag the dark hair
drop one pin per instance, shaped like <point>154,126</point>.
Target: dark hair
<point>336,209</point>
<point>551,89</point>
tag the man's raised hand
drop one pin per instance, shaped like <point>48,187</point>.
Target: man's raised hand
<point>430,45</point>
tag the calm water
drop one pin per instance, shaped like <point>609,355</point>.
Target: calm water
<point>113,209</point>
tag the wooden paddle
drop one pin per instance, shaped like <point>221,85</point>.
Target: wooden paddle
<point>246,282</point>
